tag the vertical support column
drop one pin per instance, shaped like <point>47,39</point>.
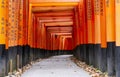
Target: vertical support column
<point>83,3</point>
<point>44,38</point>
<point>74,39</point>
<point>31,52</point>
<point>26,47</point>
<point>77,35</point>
<point>110,29</point>
<point>90,32</point>
<point>39,38</point>
<point>12,35</point>
<point>103,66</point>
<point>117,51</point>
<point>7,39</point>
<point>97,46</point>
<point>82,27</point>
<point>20,34</point>
<point>35,51</point>
<point>29,31</point>
<point>3,18</point>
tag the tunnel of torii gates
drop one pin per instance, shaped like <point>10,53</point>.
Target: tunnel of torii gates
<point>32,29</point>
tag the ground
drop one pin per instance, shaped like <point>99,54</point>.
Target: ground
<point>56,66</point>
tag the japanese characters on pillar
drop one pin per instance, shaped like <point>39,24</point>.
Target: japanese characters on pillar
<point>97,21</point>
<point>3,18</point>
<point>103,24</point>
<point>7,17</point>
<point>17,10</point>
<point>90,21</point>
<point>110,20</point>
<point>12,27</point>
<point>20,26</point>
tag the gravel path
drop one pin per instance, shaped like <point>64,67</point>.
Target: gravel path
<point>56,66</point>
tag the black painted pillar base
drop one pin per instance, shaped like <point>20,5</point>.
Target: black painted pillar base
<point>2,61</point>
<point>43,53</point>
<point>35,54</point>
<point>12,54</point>
<point>81,52</point>
<point>117,60</point>
<point>7,62</point>
<point>32,54</point>
<point>25,55</point>
<point>2,67</point>
<point>103,66</point>
<point>47,53</point>
<point>98,55</point>
<point>2,49</point>
<point>74,52</point>
<point>78,54</point>
<point>50,53</point>
<point>39,50</point>
<point>87,54</point>
<point>91,54</point>
<point>20,52</point>
<point>111,58</point>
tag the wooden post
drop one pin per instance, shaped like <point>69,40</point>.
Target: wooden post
<point>110,29</point>
<point>90,32</point>
<point>97,47</point>
<point>117,22</point>
<point>3,18</point>
<point>103,67</point>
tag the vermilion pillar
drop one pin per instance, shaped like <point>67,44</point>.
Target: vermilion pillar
<point>103,67</point>
<point>82,28</point>
<point>90,31</point>
<point>3,17</point>
<point>20,33</point>
<point>76,33</point>
<point>117,23</point>
<point>110,29</point>
<point>97,46</point>
<point>12,34</point>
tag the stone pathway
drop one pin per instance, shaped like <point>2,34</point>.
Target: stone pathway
<point>56,66</point>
